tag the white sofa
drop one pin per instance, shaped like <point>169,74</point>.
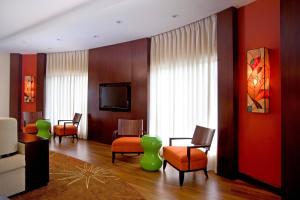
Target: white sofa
<point>12,163</point>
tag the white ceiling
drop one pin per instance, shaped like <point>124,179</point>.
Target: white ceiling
<point>30,26</point>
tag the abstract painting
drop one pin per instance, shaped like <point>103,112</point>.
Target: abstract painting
<point>258,78</point>
<point>29,89</point>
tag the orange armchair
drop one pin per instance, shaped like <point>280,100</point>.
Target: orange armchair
<point>69,127</point>
<point>127,138</point>
<point>189,158</point>
<point>29,121</point>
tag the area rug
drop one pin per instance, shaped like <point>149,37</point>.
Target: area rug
<point>72,179</point>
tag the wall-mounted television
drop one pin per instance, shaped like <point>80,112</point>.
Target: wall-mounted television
<point>115,97</point>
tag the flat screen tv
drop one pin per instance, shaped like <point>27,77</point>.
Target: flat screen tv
<point>115,96</point>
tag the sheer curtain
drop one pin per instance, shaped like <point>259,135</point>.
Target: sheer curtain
<point>183,82</point>
<point>66,87</point>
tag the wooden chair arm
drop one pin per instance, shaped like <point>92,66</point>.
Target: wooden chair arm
<point>114,135</point>
<point>65,123</point>
<point>198,146</point>
<point>181,138</point>
<point>189,152</point>
<point>144,133</point>
<point>62,120</point>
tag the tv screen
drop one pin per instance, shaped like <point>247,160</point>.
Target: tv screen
<point>115,96</point>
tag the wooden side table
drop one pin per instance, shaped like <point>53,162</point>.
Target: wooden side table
<point>36,152</point>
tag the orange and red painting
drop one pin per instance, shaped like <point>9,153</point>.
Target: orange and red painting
<point>29,89</point>
<point>258,77</point>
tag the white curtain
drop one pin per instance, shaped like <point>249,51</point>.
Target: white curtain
<point>183,82</point>
<point>66,87</point>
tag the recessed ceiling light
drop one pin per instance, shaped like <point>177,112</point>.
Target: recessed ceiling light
<point>119,22</point>
<point>175,16</point>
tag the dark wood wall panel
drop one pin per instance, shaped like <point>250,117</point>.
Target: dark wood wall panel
<point>15,87</point>
<point>40,84</point>
<point>290,82</point>
<point>126,62</point>
<point>227,93</point>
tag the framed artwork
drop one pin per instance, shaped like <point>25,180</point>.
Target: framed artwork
<point>258,80</point>
<point>29,89</point>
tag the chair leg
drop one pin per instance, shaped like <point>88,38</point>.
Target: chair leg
<point>205,172</point>
<point>76,137</point>
<point>113,157</point>
<point>164,164</point>
<point>181,177</point>
<point>59,138</point>
<point>73,138</point>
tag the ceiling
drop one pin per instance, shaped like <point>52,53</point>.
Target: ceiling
<point>31,26</point>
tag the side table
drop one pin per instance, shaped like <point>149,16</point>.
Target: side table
<point>151,161</point>
<point>36,152</point>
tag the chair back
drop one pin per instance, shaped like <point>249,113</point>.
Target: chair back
<point>130,127</point>
<point>76,119</point>
<point>8,136</point>
<point>31,117</point>
<point>203,136</point>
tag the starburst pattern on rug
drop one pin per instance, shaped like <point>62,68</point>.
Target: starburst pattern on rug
<point>86,173</point>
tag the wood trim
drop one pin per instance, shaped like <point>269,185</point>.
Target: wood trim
<point>227,93</point>
<point>260,184</point>
<point>15,87</point>
<point>125,62</point>
<point>40,84</point>
<point>290,92</point>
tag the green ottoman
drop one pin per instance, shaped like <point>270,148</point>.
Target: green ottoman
<point>151,161</point>
<point>43,127</point>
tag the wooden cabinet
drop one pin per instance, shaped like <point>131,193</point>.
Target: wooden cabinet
<point>36,152</point>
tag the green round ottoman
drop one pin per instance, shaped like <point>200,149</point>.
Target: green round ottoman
<point>43,127</point>
<point>151,161</point>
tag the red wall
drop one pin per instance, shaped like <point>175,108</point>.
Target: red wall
<point>260,134</point>
<point>29,68</point>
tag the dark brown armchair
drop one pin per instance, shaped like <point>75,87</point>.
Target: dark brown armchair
<point>190,158</point>
<point>68,128</point>
<point>127,139</point>
<point>29,119</point>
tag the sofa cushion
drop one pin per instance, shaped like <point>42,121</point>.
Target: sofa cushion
<point>12,162</point>
<point>127,144</point>
<point>177,156</point>
<point>60,131</point>
<point>30,128</point>
<point>8,136</point>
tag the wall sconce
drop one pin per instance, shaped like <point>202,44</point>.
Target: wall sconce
<point>29,89</point>
<point>258,78</point>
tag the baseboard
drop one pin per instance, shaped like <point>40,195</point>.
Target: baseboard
<point>258,183</point>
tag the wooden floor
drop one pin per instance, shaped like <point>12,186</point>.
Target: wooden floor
<point>160,185</point>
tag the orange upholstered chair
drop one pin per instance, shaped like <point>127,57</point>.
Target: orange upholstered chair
<point>189,158</point>
<point>69,127</point>
<point>29,119</point>
<point>127,138</point>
